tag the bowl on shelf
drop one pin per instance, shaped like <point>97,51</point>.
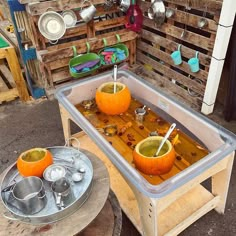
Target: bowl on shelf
<point>52,25</point>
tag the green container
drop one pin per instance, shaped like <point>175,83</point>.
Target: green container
<point>81,59</point>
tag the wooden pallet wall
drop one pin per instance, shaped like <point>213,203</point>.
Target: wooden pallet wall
<point>54,59</point>
<point>157,43</point>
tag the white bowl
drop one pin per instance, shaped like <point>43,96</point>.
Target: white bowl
<point>54,172</point>
<point>51,25</point>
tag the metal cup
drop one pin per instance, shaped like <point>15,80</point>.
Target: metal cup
<point>62,192</point>
<point>87,13</point>
<point>124,5</point>
<point>139,114</point>
<point>156,8</point>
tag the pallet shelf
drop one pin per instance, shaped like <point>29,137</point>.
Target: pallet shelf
<point>54,59</point>
<point>157,43</point>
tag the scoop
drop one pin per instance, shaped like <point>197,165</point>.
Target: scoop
<point>165,138</point>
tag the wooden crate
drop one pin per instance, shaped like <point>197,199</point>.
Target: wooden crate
<point>156,45</point>
<point>12,83</point>
<point>54,59</point>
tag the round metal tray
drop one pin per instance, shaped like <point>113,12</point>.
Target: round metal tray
<point>51,213</point>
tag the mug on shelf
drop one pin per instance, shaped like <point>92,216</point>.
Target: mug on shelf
<point>87,13</point>
<point>176,56</point>
<point>194,63</point>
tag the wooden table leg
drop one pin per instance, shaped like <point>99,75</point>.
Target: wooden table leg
<point>220,184</point>
<point>15,69</point>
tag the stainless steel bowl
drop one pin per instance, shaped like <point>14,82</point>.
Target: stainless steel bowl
<point>54,172</point>
<point>51,25</point>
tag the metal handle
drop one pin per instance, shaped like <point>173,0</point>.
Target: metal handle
<point>58,199</point>
<point>53,41</point>
<point>67,142</point>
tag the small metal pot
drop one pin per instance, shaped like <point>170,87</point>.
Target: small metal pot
<point>62,192</point>
<point>29,195</point>
<point>124,5</point>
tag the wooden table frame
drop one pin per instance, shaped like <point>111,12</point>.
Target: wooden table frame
<point>19,86</point>
<point>173,213</point>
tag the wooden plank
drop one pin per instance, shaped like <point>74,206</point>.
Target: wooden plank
<point>7,74</point>
<point>169,88</point>
<point>170,73</point>
<point>15,69</point>
<point>78,42</point>
<point>190,37</point>
<point>213,6</point>
<point>172,46</point>
<point>81,47</point>
<point>3,86</point>
<point>9,95</point>
<point>165,57</point>
<point>39,8</point>
<point>180,16</point>
<point>109,24</point>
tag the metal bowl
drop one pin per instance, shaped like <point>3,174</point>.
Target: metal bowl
<point>54,172</point>
<point>51,25</point>
<point>70,18</point>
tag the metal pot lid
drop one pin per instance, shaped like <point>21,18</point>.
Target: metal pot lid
<point>70,18</point>
<point>51,25</point>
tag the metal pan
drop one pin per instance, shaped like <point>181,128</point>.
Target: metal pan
<point>51,213</point>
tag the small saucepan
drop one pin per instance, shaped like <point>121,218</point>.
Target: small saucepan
<point>29,195</point>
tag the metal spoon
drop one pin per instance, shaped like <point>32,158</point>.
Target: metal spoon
<point>165,138</point>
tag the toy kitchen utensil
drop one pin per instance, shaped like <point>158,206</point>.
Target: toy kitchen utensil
<point>165,138</point>
<point>157,12</point>
<point>69,18</point>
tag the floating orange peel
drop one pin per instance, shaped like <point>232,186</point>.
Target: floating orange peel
<point>176,140</point>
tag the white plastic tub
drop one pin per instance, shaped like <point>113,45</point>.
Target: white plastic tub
<point>219,141</point>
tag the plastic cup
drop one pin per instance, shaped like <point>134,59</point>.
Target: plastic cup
<point>176,56</point>
<point>194,63</point>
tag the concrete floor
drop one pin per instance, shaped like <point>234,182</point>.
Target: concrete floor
<point>38,124</point>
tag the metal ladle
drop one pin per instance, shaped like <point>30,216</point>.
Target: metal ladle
<point>165,138</point>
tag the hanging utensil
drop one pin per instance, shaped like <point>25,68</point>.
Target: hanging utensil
<point>157,12</point>
<point>165,138</point>
<point>203,22</point>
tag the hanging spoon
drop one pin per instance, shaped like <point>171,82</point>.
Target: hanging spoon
<point>115,77</point>
<point>165,138</point>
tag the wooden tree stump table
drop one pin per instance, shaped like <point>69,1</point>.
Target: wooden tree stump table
<point>96,207</point>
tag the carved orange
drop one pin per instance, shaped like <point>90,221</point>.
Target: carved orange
<point>113,103</point>
<point>144,160</point>
<point>33,162</point>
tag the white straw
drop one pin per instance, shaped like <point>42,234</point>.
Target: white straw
<point>115,77</point>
